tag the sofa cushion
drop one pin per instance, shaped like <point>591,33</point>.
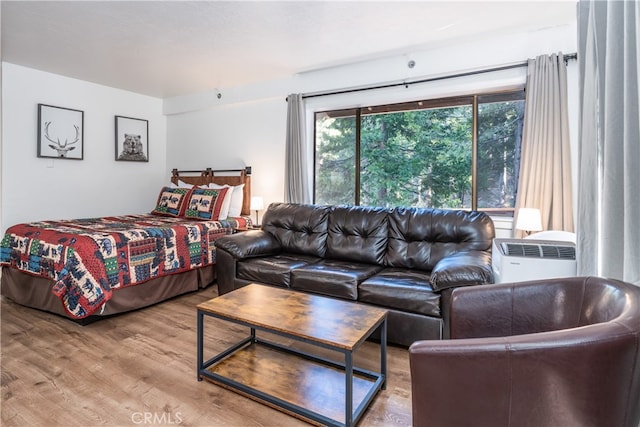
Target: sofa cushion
<point>401,289</point>
<point>358,233</point>
<point>333,278</point>
<point>273,270</point>
<point>419,238</point>
<point>300,229</point>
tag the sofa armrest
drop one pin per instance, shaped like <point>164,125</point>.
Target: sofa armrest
<point>519,378</point>
<point>444,374</point>
<point>462,269</point>
<point>249,244</point>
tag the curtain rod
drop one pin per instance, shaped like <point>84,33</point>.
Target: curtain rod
<point>566,58</point>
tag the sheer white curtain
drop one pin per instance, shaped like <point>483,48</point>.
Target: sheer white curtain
<point>609,174</point>
<point>297,180</point>
<point>545,164</point>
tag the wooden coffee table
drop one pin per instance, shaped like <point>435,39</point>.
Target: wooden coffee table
<point>309,386</point>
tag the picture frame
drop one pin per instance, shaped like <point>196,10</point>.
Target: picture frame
<point>132,139</point>
<point>60,132</point>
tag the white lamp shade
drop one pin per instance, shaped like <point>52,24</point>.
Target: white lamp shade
<point>529,219</point>
<point>257,203</point>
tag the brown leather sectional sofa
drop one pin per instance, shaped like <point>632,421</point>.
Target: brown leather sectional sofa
<point>407,260</point>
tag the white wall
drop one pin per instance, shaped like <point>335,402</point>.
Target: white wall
<point>1,227</point>
<point>39,188</point>
<point>232,137</point>
<point>246,126</point>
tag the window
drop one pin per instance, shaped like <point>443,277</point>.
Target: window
<point>460,152</point>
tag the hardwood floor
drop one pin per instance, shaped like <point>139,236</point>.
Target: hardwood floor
<point>139,368</point>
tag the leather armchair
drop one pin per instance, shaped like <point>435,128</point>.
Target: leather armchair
<point>555,352</point>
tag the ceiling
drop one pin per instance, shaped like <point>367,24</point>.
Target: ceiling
<point>170,48</point>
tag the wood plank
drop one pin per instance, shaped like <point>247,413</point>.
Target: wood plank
<point>334,322</point>
<point>300,382</point>
<point>57,373</point>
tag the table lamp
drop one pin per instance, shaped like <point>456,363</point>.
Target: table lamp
<point>257,204</point>
<point>529,220</point>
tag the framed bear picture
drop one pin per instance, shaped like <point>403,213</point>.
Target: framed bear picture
<point>132,139</point>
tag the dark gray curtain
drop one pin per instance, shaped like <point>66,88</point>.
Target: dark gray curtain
<point>297,164</point>
<point>609,174</point>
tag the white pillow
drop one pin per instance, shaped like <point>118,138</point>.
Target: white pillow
<point>226,203</point>
<point>235,209</point>
<point>181,184</point>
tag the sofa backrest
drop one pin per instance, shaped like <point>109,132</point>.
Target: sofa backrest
<point>420,237</point>
<point>358,233</point>
<point>300,229</point>
<point>415,238</point>
<point>542,306</point>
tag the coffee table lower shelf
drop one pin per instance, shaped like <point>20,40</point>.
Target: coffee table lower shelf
<point>298,383</point>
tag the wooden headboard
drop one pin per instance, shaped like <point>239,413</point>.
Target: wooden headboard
<point>221,177</point>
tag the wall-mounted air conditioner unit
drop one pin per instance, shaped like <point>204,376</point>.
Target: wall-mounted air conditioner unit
<point>518,260</point>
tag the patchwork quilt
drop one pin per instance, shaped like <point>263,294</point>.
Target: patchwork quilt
<point>90,258</point>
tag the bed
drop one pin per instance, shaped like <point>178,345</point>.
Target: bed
<point>85,269</point>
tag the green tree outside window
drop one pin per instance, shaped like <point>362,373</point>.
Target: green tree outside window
<point>408,155</point>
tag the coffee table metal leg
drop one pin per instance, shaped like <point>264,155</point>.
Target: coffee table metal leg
<point>200,338</point>
<point>348,397</point>
<point>383,354</point>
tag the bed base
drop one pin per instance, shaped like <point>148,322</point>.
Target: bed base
<point>35,292</point>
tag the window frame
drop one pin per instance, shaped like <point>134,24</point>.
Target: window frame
<point>474,100</point>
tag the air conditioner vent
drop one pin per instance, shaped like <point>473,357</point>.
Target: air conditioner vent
<point>561,252</point>
<point>519,249</point>
<point>539,250</point>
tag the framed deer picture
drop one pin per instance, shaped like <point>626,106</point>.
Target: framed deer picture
<point>132,139</point>
<point>60,132</point>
